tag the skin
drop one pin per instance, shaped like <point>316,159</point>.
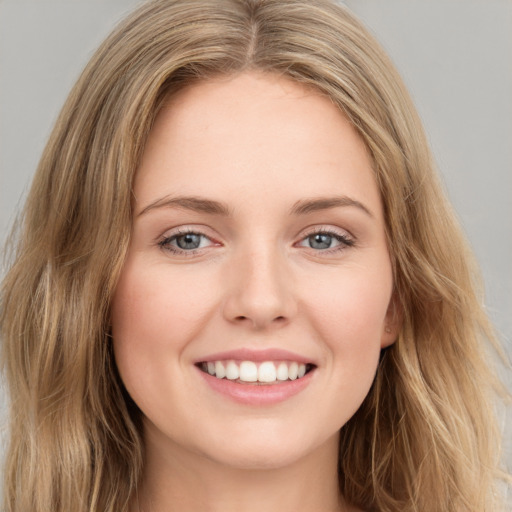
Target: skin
<point>259,144</point>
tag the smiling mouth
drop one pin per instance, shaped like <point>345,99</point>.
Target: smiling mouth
<point>250,372</point>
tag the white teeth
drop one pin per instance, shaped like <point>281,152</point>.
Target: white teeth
<point>267,372</point>
<point>220,371</point>
<point>232,372</point>
<point>248,371</point>
<point>293,371</point>
<point>282,371</point>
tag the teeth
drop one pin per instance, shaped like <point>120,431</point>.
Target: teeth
<point>267,372</point>
<point>249,371</point>
<point>282,371</point>
<point>220,371</point>
<point>293,371</point>
<point>232,372</point>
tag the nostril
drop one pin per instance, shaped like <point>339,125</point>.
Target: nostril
<point>278,319</point>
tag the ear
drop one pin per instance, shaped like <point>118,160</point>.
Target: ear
<point>392,322</point>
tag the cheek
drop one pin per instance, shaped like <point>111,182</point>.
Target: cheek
<point>353,303</point>
<point>349,314</point>
<point>156,306</point>
<point>155,313</point>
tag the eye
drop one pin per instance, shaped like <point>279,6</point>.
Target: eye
<point>324,240</point>
<point>183,242</point>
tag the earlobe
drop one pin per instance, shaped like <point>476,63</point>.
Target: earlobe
<point>392,323</point>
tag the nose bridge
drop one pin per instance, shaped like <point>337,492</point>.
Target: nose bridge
<point>261,289</point>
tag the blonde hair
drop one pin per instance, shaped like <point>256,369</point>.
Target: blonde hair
<point>424,438</point>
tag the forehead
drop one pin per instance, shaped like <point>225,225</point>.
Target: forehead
<point>254,134</point>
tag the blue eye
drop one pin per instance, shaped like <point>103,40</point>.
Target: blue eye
<point>325,240</point>
<point>185,242</point>
<point>188,241</point>
<point>321,241</point>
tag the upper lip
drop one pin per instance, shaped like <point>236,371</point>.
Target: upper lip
<point>247,354</point>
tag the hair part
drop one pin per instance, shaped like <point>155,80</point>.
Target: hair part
<point>424,438</point>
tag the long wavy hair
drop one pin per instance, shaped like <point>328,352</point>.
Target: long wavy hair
<point>424,439</point>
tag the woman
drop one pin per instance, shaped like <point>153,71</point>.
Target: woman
<point>245,286</point>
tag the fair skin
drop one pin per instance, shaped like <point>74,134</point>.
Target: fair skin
<point>282,247</point>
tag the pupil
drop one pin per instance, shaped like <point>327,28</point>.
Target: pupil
<point>188,241</point>
<point>320,241</point>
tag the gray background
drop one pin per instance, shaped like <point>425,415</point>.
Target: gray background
<point>455,57</point>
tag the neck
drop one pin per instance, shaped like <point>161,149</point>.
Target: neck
<point>182,480</point>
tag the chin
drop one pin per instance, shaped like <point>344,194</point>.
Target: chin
<point>265,451</point>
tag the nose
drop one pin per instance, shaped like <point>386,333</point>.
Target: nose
<point>259,291</point>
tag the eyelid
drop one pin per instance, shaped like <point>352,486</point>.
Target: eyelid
<point>345,238</point>
<point>184,229</point>
<point>164,240</point>
<point>326,228</point>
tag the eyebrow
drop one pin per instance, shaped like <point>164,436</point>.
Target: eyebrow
<point>203,205</point>
<point>305,206</point>
<point>197,204</point>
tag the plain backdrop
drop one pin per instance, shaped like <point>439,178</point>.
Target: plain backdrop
<point>455,57</point>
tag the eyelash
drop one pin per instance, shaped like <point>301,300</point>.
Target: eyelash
<point>345,241</point>
<point>165,243</point>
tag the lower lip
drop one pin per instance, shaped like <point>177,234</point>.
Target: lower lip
<point>254,394</point>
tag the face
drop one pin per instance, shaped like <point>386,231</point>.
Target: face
<point>255,298</point>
